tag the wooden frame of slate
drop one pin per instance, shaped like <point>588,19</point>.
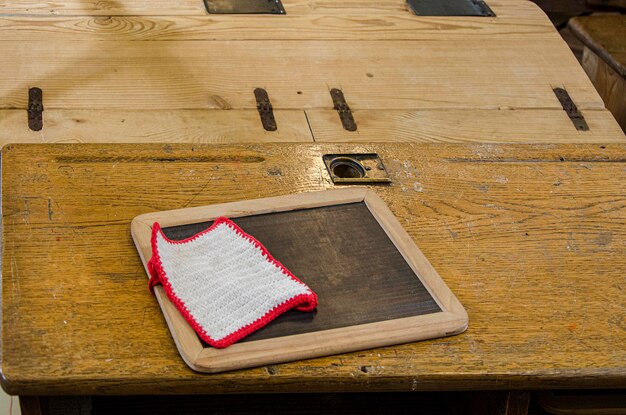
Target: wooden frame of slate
<point>392,310</point>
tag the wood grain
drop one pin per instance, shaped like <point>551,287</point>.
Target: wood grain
<point>193,8</point>
<point>260,27</point>
<point>372,74</point>
<point>152,64</point>
<point>531,238</point>
<point>458,126</point>
<point>243,126</point>
<point>159,126</point>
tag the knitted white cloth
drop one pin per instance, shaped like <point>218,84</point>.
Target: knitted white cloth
<point>224,282</point>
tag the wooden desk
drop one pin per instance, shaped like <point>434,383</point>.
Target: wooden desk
<point>167,71</point>
<point>532,240</point>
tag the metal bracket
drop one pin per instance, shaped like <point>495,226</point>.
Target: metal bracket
<point>571,109</point>
<point>35,109</point>
<point>356,168</point>
<point>342,108</point>
<point>244,6</point>
<point>450,8</point>
<point>264,106</point>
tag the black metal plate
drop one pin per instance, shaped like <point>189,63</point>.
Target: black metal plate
<point>571,109</point>
<point>450,8</point>
<point>244,6</point>
<point>345,256</point>
<point>35,109</point>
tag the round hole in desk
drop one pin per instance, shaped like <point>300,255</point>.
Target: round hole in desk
<point>347,168</point>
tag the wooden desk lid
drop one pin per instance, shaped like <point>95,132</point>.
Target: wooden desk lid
<point>374,285</point>
<point>163,70</point>
<point>530,238</point>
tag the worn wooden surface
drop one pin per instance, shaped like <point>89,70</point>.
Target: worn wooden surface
<point>531,239</point>
<point>193,8</point>
<point>169,126</point>
<point>188,74</point>
<point>106,58</point>
<point>243,126</point>
<point>463,126</point>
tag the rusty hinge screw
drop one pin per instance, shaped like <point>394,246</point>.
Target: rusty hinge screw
<point>35,109</point>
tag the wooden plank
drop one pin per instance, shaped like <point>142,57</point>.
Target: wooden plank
<point>373,74</point>
<point>512,229</point>
<point>243,126</point>
<point>259,27</point>
<point>132,126</point>
<point>529,125</point>
<point>193,7</point>
<point>101,7</point>
<point>356,22</point>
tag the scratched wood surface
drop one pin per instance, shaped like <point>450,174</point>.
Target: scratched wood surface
<point>103,58</point>
<point>243,126</point>
<point>165,126</point>
<point>531,239</point>
<point>495,126</point>
<point>186,74</point>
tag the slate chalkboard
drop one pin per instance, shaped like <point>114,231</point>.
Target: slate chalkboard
<point>344,255</point>
<point>374,285</point>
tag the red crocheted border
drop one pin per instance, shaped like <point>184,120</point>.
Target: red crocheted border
<point>302,302</point>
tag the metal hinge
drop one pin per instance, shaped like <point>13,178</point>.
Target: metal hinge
<point>244,6</point>
<point>342,108</point>
<point>485,10</point>
<point>35,109</point>
<point>571,109</point>
<point>264,106</point>
<point>450,8</point>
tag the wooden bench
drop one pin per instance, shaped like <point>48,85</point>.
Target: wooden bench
<point>604,58</point>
